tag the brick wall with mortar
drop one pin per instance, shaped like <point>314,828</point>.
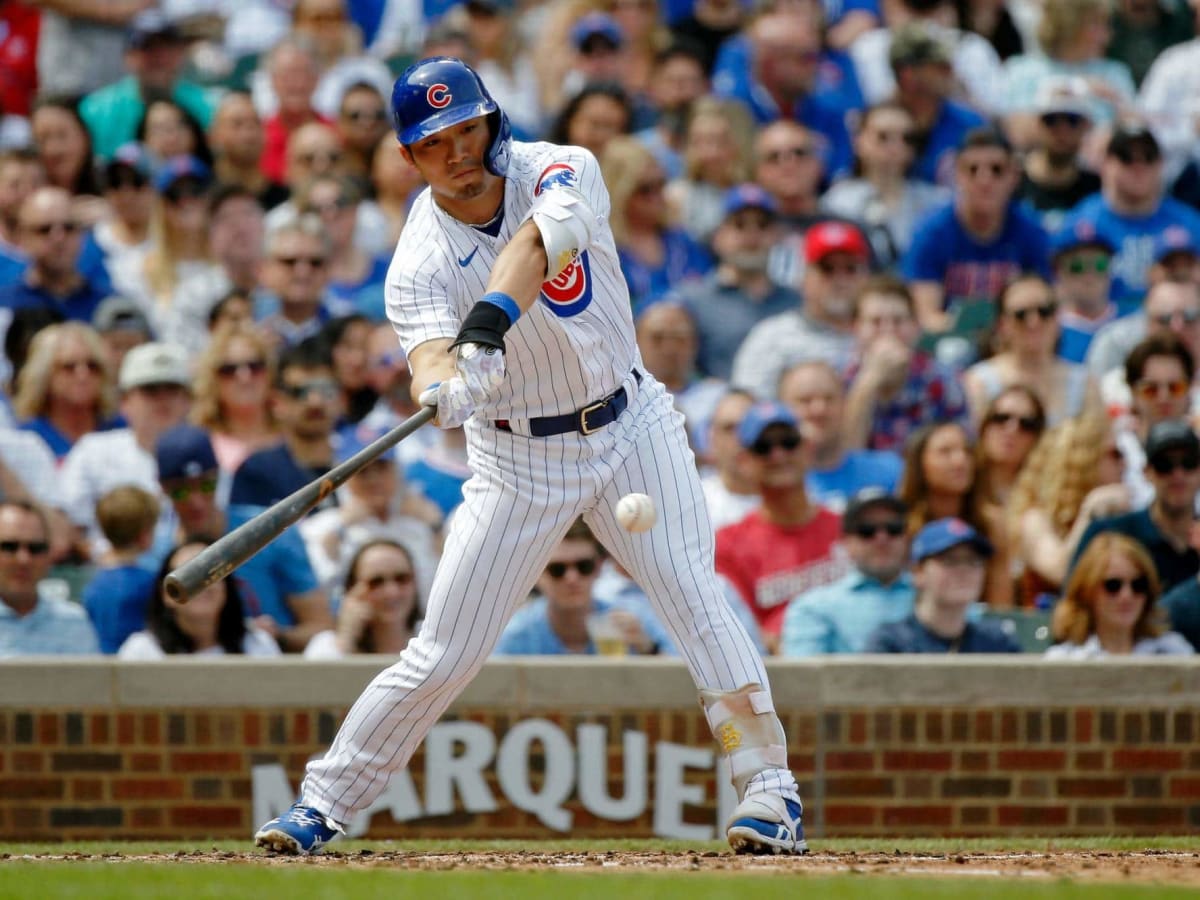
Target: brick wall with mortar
<point>100,750</point>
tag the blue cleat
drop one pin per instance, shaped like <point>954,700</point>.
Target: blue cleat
<point>300,831</point>
<point>767,824</point>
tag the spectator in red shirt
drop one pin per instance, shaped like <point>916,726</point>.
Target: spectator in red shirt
<point>19,22</point>
<point>293,73</point>
<point>789,544</point>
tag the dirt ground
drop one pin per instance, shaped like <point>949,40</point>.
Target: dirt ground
<point>1152,866</point>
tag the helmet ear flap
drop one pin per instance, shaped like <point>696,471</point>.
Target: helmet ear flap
<point>500,149</point>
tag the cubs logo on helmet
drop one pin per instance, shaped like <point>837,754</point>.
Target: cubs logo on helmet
<point>559,174</point>
<point>569,292</point>
<point>438,96</point>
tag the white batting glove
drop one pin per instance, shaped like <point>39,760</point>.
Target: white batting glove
<point>480,371</point>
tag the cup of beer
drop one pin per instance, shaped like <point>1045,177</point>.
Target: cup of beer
<point>605,636</point>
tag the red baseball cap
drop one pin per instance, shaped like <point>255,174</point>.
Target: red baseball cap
<point>834,237</point>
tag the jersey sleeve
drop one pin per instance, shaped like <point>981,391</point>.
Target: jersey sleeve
<point>417,292</point>
<point>561,167</point>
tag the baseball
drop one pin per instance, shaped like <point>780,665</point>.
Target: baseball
<point>636,512</point>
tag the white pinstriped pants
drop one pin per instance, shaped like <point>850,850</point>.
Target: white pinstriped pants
<point>523,495</point>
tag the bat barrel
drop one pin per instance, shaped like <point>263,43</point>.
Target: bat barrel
<point>219,559</point>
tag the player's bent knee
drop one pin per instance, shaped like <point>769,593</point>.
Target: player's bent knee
<point>747,731</point>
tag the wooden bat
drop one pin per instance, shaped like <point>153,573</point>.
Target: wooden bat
<point>217,560</point>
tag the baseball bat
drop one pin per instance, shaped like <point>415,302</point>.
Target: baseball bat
<point>219,559</point>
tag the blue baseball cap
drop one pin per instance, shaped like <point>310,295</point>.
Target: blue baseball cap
<point>748,196</point>
<point>130,155</point>
<point>596,24</point>
<point>1174,239</point>
<point>178,168</point>
<point>762,416</point>
<point>1081,234</point>
<point>940,535</point>
<point>350,441</point>
<point>184,451</point>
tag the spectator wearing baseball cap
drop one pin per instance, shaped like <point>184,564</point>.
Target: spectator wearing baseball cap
<point>154,383</point>
<point>1176,257</point>
<point>1165,527</point>
<point>837,262</point>
<point>282,594</point>
<point>1053,180</point>
<point>839,617</point>
<point>1082,263</point>
<point>949,565</point>
<point>122,326</point>
<point>788,544</point>
<point>919,63</point>
<point>1131,209</point>
<point>740,293</point>
<point>969,249</point>
<point>155,55</point>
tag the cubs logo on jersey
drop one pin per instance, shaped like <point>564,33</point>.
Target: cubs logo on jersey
<point>557,175</point>
<point>438,96</point>
<point>570,292</point>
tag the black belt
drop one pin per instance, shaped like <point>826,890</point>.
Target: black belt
<point>591,418</point>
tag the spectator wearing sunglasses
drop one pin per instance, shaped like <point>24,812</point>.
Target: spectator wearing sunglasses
<point>965,252</point>
<point>1025,335</point>
<point>1053,180</point>
<point>374,503</point>
<point>838,617</point>
<point>381,604</point>
<point>33,622</point>
<point>297,273</point>
<point>362,121</point>
<point>51,237</point>
<point>1082,265</point>
<point>1111,608</point>
<point>1164,527</point>
<point>949,562</point>
<point>116,597</point>
<point>281,594</point>
<point>557,622</point>
<point>789,544</point>
<point>1131,210</point>
<point>1171,308</point>
<point>1158,376</point>
<point>233,394</point>
<point>355,276</point>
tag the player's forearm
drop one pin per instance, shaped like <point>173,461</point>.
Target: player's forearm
<point>431,363</point>
<point>520,268</point>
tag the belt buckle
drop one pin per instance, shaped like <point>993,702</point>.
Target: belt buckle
<point>583,414</point>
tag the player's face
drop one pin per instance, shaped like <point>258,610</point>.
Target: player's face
<point>451,160</point>
<point>568,578</point>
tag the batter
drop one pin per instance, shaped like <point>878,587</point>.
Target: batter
<point>507,297</point>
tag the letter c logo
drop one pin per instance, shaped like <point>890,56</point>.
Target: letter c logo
<point>438,96</point>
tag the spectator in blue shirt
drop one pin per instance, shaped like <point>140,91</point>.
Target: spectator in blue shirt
<point>949,560</point>
<point>786,49</point>
<point>278,586</point>
<point>51,237</point>
<point>558,621</point>
<point>307,402</point>
<point>1131,211</point>
<point>32,623</point>
<point>838,617</point>
<point>1082,262</point>
<point>815,394</point>
<point>118,595</point>
<point>924,73</point>
<point>964,253</point>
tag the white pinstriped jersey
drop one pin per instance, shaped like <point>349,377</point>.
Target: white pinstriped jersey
<point>575,344</point>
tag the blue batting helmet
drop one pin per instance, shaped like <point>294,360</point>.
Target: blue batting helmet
<point>440,92</point>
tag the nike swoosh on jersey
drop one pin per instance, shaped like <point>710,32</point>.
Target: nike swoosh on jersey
<point>466,261</point>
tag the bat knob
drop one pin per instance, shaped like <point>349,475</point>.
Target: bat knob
<point>173,588</point>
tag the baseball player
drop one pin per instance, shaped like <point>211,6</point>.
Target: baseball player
<point>507,297</point>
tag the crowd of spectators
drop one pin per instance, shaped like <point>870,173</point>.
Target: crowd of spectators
<point>923,277</point>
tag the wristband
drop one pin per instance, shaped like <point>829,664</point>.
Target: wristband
<point>505,302</point>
